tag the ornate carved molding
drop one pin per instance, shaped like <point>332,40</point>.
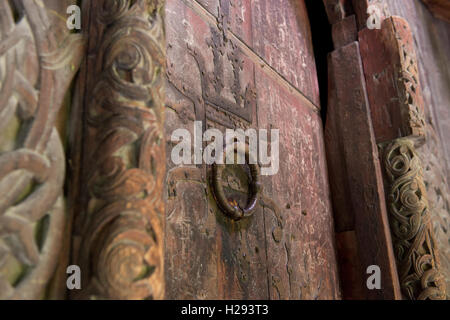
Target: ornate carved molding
<point>412,233</point>
<point>37,64</point>
<point>410,92</point>
<point>121,227</point>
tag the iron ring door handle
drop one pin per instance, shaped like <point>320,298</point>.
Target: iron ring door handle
<point>235,212</point>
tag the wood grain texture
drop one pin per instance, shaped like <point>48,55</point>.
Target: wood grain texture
<point>344,32</point>
<point>214,70</point>
<point>392,78</point>
<point>282,37</point>
<point>440,8</point>
<point>374,9</point>
<point>301,257</point>
<point>431,42</point>
<point>37,65</point>
<point>210,80</point>
<point>118,231</point>
<point>337,10</point>
<point>272,29</point>
<point>359,202</point>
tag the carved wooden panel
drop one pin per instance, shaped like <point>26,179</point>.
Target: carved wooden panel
<point>38,59</point>
<point>410,220</point>
<point>118,232</point>
<point>434,67</point>
<point>397,110</point>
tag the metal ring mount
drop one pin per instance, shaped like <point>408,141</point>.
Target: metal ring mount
<point>235,212</point>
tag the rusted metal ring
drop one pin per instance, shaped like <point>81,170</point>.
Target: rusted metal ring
<point>235,212</point>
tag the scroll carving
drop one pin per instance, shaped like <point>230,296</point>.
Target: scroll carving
<point>36,68</point>
<point>412,233</point>
<point>121,227</point>
<point>410,93</point>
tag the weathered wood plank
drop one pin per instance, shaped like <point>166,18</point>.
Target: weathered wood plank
<point>300,246</point>
<point>344,32</point>
<point>337,10</point>
<point>282,37</point>
<point>440,8</point>
<point>392,78</point>
<point>210,77</point>
<point>349,121</point>
<point>432,44</point>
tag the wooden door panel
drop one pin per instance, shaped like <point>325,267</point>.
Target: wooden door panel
<point>235,14</point>
<point>301,257</point>
<point>278,31</point>
<point>223,259</point>
<point>282,37</point>
<point>217,76</point>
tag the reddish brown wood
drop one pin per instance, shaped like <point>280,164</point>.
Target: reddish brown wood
<point>393,87</point>
<point>300,253</point>
<point>350,137</point>
<point>440,8</point>
<point>119,230</point>
<point>282,37</point>
<point>337,10</point>
<point>344,32</point>
<point>432,52</point>
<point>223,259</point>
<point>286,250</point>
<point>350,270</point>
<point>362,12</point>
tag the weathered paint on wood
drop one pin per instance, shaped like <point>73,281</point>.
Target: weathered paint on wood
<point>286,249</point>
<point>118,231</point>
<point>301,251</point>
<point>393,88</point>
<point>359,203</point>
<point>431,38</point>
<point>344,32</point>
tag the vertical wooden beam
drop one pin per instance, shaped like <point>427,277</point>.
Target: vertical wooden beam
<point>356,180</point>
<point>392,78</point>
<point>397,110</point>
<point>369,9</point>
<point>119,231</point>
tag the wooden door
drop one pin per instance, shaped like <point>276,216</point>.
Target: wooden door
<point>247,64</point>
